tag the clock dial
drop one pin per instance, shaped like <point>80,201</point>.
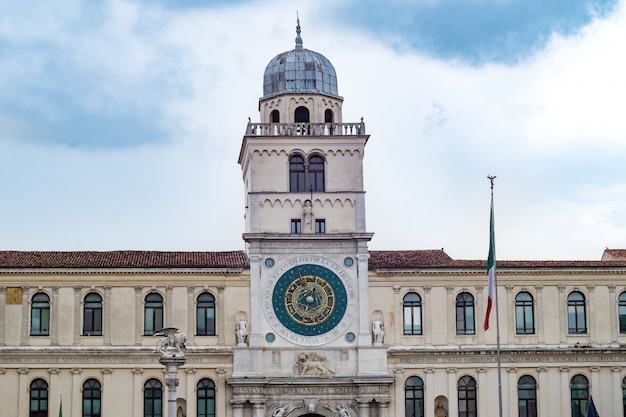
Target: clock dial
<point>309,300</point>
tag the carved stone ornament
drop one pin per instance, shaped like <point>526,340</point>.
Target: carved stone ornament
<point>311,364</point>
<point>341,410</point>
<point>172,343</point>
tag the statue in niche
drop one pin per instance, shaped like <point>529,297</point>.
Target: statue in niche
<point>440,411</point>
<point>241,331</point>
<point>307,214</point>
<point>378,331</point>
<point>311,364</point>
<point>172,343</point>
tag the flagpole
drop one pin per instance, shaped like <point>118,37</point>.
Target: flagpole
<point>492,244</point>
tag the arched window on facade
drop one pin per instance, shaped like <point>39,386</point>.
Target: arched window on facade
<point>524,314</point>
<point>467,397</point>
<point>412,310</point>
<point>527,396</point>
<point>576,313</point>
<point>153,398</point>
<point>275,116</point>
<point>297,174</point>
<point>38,398</point>
<point>205,393</point>
<point>153,312</point>
<point>92,398</point>
<point>301,115</point>
<point>205,315</point>
<point>414,397</point>
<point>465,323</point>
<point>622,312</point>
<point>579,393</point>
<point>92,315</point>
<point>624,395</point>
<point>316,173</point>
<point>40,315</point>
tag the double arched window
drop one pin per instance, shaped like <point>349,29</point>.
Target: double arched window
<point>92,315</point>
<point>306,176</point>
<point>524,314</point>
<point>576,313</point>
<point>465,323</point>
<point>414,397</point>
<point>205,394</point>
<point>412,309</point>
<point>205,315</point>
<point>153,313</point>
<point>40,315</point>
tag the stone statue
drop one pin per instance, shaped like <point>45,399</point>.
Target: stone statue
<point>440,411</point>
<point>378,330</point>
<point>340,409</point>
<point>308,217</point>
<point>172,344</point>
<point>311,364</point>
<point>241,331</point>
<point>280,411</point>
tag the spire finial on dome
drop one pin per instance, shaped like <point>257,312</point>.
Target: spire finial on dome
<point>298,37</point>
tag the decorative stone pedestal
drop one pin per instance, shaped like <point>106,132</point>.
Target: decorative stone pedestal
<point>171,380</point>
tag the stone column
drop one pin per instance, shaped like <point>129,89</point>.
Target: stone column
<point>426,316</point>
<point>511,392</point>
<point>543,396</point>
<point>169,306</point>
<point>237,406</point>
<point>592,329</point>
<point>137,392</point>
<point>54,317</point>
<point>539,309</point>
<point>25,317</point>
<point>191,319</point>
<point>510,324</point>
<point>22,397</point>
<point>616,392</point>
<point>77,332</point>
<point>220,316</point>
<point>363,407</point>
<point>138,314</point>
<point>3,303</point>
<point>594,388</point>
<point>451,322</point>
<point>613,311</point>
<point>54,395</point>
<point>429,394</point>
<point>453,395</point>
<point>383,407</point>
<point>398,312</point>
<point>191,388</point>
<point>255,337</point>
<point>258,407</point>
<point>107,398</point>
<point>565,404</point>
<point>171,380</point>
<point>107,316</point>
<point>563,325</point>
<point>76,400</point>
<point>483,394</point>
<point>3,390</point>
<point>220,393</point>
<point>365,338</point>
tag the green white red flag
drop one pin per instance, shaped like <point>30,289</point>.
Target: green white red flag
<point>491,266</point>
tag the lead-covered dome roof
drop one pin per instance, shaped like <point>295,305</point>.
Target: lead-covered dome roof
<point>299,71</point>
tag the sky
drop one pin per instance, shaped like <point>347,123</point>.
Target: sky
<point>121,120</point>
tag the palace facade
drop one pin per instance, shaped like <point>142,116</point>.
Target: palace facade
<point>306,320</point>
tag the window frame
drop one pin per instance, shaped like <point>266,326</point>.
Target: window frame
<point>205,392</point>
<point>576,313</point>
<point>527,396</point>
<point>307,174</point>
<point>205,314</point>
<point>92,322</point>
<point>40,314</point>
<point>412,309</point>
<point>150,389</point>
<point>38,395</point>
<point>467,397</point>
<point>91,398</point>
<point>579,395</point>
<point>320,226</point>
<point>153,311</point>
<point>414,397</point>
<point>621,312</point>
<point>465,314</point>
<point>524,314</point>
<point>296,226</point>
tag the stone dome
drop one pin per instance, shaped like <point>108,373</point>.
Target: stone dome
<point>299,71</point>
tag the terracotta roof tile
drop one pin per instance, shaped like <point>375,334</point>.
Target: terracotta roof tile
<point>614,254</point>
<point>381,259</point>
<point>122,259</point>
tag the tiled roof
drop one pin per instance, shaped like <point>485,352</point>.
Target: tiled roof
<point>122,259</point>
<point>382,259</point>
<point>614,254</point>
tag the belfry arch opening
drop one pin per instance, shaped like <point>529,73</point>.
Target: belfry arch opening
<point>328,116</point>
<point>301,115</point>
<point>275,116</point>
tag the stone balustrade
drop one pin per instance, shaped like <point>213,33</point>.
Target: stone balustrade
<point>305,129</point>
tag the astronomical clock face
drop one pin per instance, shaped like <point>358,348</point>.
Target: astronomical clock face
<point>311,303</point>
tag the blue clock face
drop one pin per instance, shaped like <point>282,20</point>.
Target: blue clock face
<point>309,300</point>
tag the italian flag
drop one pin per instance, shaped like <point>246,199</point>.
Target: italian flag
<point>491,266</point>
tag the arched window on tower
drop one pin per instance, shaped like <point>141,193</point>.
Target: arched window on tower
<point>275,116</point>
<point>296,174</point>
<point>316,173</point>
<point>301,115</point>
<point>328,119</point>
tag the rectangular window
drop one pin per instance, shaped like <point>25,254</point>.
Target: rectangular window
<point>320,226</point>
<point>296,226</point>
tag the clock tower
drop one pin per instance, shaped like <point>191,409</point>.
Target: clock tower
<point>305,232</point>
